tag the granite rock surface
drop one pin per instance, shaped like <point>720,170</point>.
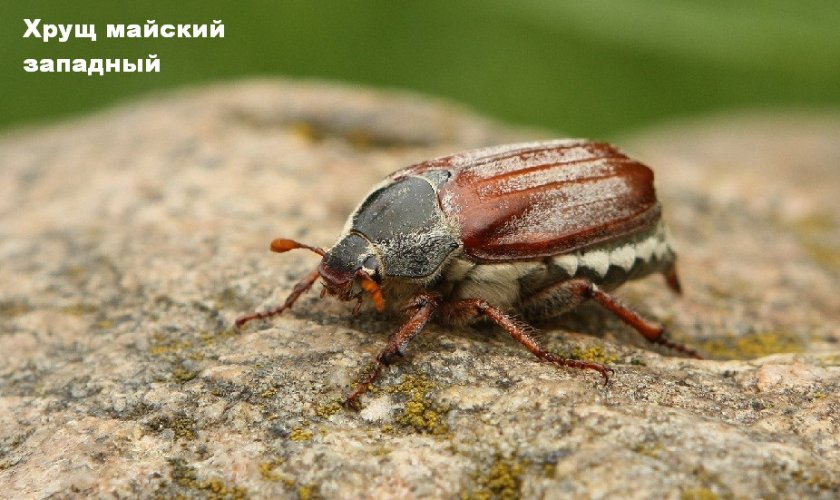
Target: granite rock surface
<point>131,239</point>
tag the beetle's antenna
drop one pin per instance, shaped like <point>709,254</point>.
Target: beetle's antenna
<point>370,286</point>
<point>281,245</point>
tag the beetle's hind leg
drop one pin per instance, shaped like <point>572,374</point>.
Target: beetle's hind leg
<point>467,309</point>
<point>423,306</point>
<point>672,279</point>
<point>571,293</point>
<point>299,289</point>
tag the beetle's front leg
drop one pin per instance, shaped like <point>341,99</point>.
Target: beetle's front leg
<point>299,289</point>
<point>473,308</point>
<point>423,306</point>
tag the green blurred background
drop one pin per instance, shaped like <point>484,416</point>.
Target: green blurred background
<point>586,67</point>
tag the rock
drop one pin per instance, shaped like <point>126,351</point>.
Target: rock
<point>131,239</point>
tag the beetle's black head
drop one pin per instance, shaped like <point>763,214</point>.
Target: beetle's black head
<point>351,268</point>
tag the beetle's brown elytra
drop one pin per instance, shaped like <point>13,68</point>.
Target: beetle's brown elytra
<point>536,228</point>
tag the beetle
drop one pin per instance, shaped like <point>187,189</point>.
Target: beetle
<point>533,228</point>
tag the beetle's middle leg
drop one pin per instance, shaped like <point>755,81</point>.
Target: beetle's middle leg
<point>567,295</point>
<point>423,305</point>
<point>467,309</point>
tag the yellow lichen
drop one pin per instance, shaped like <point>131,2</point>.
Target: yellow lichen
<point>184,428</point>
<point>813,479</point>
<point>184,476</point>
<point>327,410</point>
<point>162,345</point>
<point>210,338</point>
<point>301,434</point>
<point>182,425</point>
<point>813,233</point>
<point>750,346</point>
<point>649,450</point>
<point>380,451</point>
<point>13,308</point>
<point>698,494</point>
<point>503,480</point>
<point>305,131</point>
<point>307,492</point>
<point>269,393</point>
<point>420,413</point>
<point>593,354</point>
<point>79,309</point>
<point>267,469</point>
<point>549,470</point>
<point>75,272</point>
<point>183,375</point>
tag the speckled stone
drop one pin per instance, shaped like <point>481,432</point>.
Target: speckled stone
<point>131,239</point>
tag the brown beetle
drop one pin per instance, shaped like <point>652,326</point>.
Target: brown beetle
<point>536,228</point>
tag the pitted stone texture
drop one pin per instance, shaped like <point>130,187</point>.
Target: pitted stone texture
<point>131,239</point>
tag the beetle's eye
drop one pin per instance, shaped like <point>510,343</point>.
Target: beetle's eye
<point>372,264</point>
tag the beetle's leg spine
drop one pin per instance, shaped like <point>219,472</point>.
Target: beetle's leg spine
<point>424,305</point>
<point>519,332</point>
<point>672,279</point>
<point>299,289</point>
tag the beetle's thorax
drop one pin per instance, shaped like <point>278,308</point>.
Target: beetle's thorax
<point>402,221</point>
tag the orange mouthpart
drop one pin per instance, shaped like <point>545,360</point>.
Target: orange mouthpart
<point>373,289</point>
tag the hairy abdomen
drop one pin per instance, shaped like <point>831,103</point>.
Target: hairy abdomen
<point>509,285</point>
